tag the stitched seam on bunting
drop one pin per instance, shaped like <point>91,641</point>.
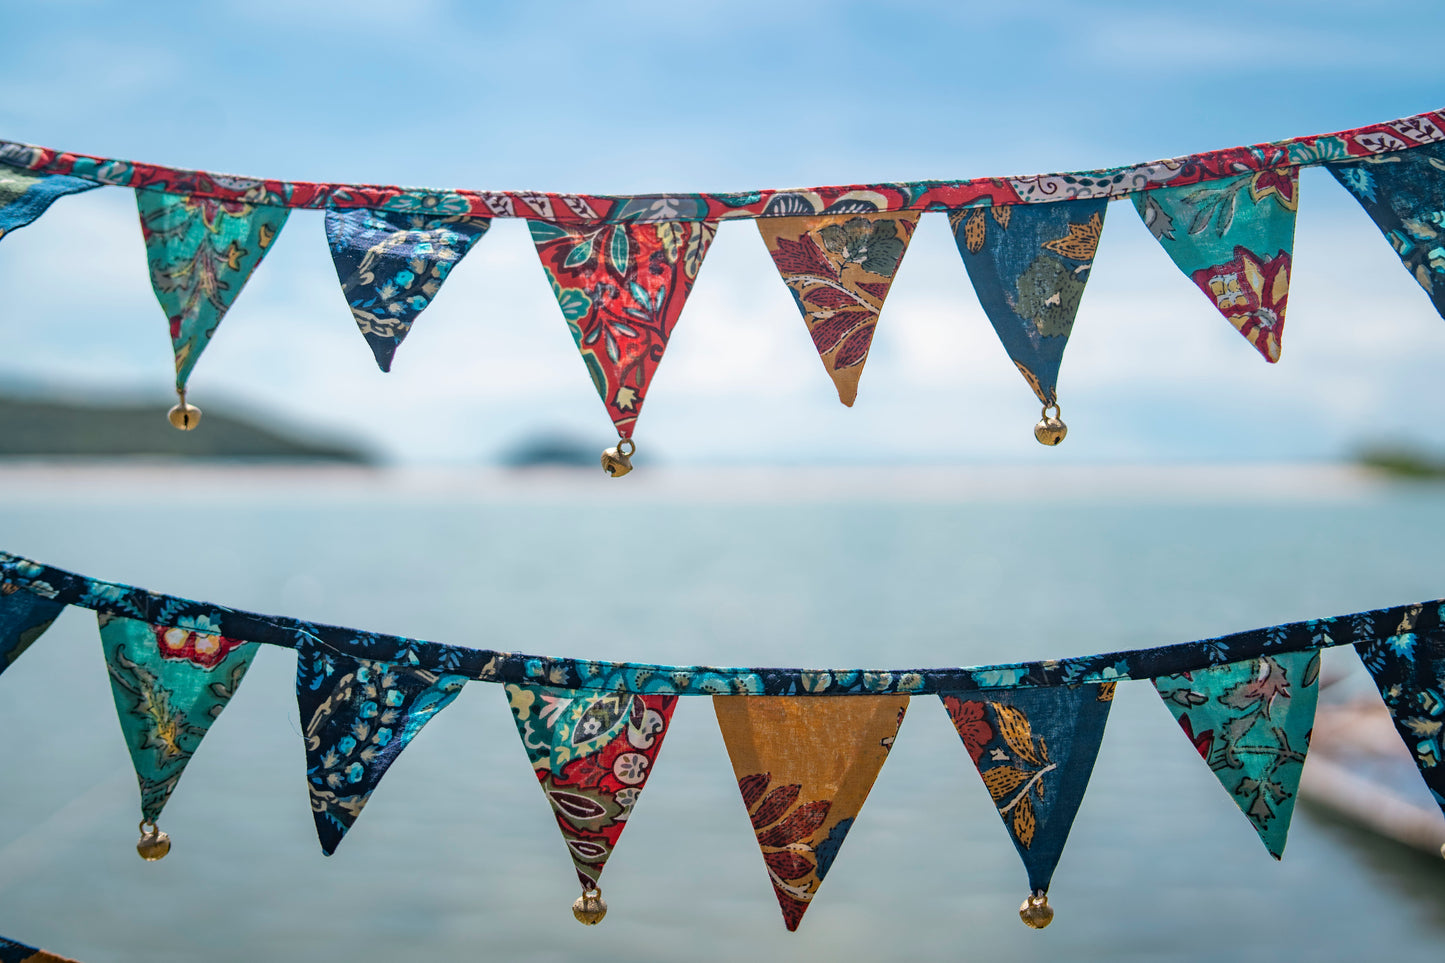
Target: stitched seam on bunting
<point>1424,128</point>
<point>489,665</point>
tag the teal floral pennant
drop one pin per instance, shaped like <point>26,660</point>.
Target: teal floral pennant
<point>169,685</point>
<point>24,617</point>
<point>1035,749</point>
<point>592,753</point>
<point>391,265</point>
<point>201,253</point>
<point>1409,668</point>
<point>357,716</point>
<point>1251,723</point>
<point>24,196</point>
<point>1029,264</point>
<point>1404,193</point>
<point>1233,238</point>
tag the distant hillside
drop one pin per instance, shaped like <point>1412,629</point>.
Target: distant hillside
<point>39,428</point>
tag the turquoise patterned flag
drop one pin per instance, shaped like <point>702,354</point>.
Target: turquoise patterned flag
<point>1233,238</point>
<point>1029,264</point>
<point>25,195</point>
<point>391,264</point>
<point>1035,749</point>
<point>1251,722</point>
<point>1404,193</point>
<point>24,617</point>
<point>357,715</point>
<point>201,253</point>
<point>169,685</point>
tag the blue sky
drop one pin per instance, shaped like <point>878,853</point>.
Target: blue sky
<point>641,96</point>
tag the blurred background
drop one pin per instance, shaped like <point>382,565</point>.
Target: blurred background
<point>1200,490</point>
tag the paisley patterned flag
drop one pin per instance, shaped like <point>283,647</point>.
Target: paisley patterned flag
<point>24,617</point>
<point>1409,668</point>
<point>357,716</point>
<point>592,753</point>
<point>804,765</point>
<point>621,288</point>
<point>839,268</point>
<point>1404,194</point>
<point>169,685</point>
<point>391,264</point>
<point>1235,239</point>
<point>13,952</point>
<point>201,253</point>
<point>1251,723</point>
<point>1029,264</point>
<point>25,196</point>
<point>1035,749</point>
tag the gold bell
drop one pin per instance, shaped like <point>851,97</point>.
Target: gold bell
<point>184,416</point>
<point>617,461</point>
<point>154,843</point>
<point>590,907</point>
<point>1036,911</point>
<point>1050,430</point>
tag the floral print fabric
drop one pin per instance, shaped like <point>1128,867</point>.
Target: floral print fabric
<point>24,617</point>
<point>804,767</point>
<point>391,265</point>
<point>169,684</point>
<point>592,754</point>
<point>201,253</point>
<point>1404,193</point>
<point>621,288</point>
<point>1233,238</point>
<point>25,196</point>
<point>1035,749</point>
<point>1251,721</point>
<point>1029,264</point>
<point>1409,668</point>
<point>357,716</point>
<point>839,267</point>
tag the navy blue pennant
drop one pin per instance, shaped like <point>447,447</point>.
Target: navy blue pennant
<point>24,617</point>
<point>1409,668</point>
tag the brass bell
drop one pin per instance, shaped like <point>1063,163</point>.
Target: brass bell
<point>154,843</point>
<point>1050,430</point>
<point>1036,911</point>
<point>590,907</point>
<point>617,461</point>
<point>184,416</point>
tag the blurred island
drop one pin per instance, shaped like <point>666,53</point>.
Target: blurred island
<point>40,428</point>
<point>1402,461</point>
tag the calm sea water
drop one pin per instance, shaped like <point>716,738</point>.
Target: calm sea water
<point>457,856</point>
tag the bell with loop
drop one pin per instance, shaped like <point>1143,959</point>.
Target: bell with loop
<point>617,461</point>
<point>183,416</point>
<point>1036,911</point>
<point>590,907</point>
<point>154,842</point>
<point>1051,430</point>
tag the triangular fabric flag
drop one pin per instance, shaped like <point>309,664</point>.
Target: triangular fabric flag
<point>169,685</point>
<point>804,765</point>
<point>1251,723</point>
<point>1404,193</point>
<point>201,253</point>
<point>592,753</point>
<point>24,617</point>
<point>1035,749</point>
<point>391,264</point>
<point>839,267</point>
<point>13,952</point>
<point>1409,668</point>
<point>25,195</point>
<point>357,715</point>
<point>1235,239</point>
<point>1029,264</point>
<point>621,288</point>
